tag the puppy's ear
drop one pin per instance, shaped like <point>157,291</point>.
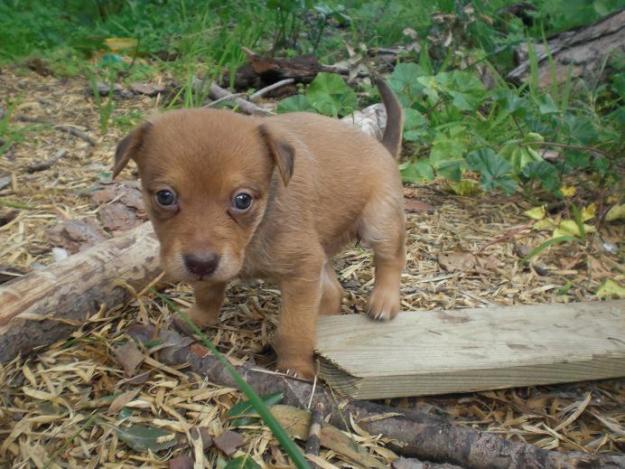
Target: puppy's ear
<point>128,147</point>
<point>280,149</point>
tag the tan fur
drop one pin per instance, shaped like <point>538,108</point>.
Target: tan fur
<point>316,183</point>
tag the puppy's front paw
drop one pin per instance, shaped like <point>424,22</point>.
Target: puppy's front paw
<point>383,304</point>
<point>201,317</point>
<point>302,369</point>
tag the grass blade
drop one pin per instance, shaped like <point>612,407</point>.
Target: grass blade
<point>281,435</point>
<point>550,242</point>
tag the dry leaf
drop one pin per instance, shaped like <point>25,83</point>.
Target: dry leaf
<point>457,261</point>
<point>611,289</point>
<point>229,442</point>
<point>416,206</point>
<point>120,43</point>
<point>181,462</point>
<point>536,213</point>
<point>616,213</point>
<point>120,401</point>
<point>129,357</point>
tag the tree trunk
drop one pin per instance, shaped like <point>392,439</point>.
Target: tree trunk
<point>45,306</point>
<point>580,52</point>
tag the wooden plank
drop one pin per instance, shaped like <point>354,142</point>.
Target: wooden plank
<point>437,352</point>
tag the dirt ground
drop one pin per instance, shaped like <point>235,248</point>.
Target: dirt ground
<point>463,252</point>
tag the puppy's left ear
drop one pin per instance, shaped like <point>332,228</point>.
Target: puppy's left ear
<point>282,152</point>
<point>129,147</point>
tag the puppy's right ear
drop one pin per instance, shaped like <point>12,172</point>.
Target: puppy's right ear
<point>129,147</point>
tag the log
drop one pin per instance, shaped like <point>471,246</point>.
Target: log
<point>580,52</point>
<point>442,352</point>
<point>413,434</point>
<point>44,306</point>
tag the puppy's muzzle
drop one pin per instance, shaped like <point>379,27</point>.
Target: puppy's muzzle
<point>201,264</point>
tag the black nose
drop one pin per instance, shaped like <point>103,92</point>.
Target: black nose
<point>201,265</point>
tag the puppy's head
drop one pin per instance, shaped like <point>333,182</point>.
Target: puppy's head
<point>207,176</point>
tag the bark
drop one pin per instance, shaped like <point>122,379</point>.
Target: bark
<point>44,306</point>
<point>414,434</point>
<point>581,52</point>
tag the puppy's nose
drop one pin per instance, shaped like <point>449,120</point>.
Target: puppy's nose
<point>202,265</point>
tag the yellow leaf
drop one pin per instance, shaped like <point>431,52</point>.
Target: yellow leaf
<point>610,289</point>
<point>571,228</point>
<point>545,224</point>
<point>568,191</point>
<point>588,213</point>
<point>120,43</point>
<point>616,213</point>
<point>536,213</point>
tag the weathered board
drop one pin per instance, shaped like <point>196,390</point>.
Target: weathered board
<point>437,352</point>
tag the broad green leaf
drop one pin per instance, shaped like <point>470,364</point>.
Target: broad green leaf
<point>546,105</point>
<point>446,157</point>
<point>297,103</point>
<point>544,172</point>
<point>536,213</point>
<point>519,156</point>
<point>242,462</point>
<point>589,212</point>
<point>329,94</point>
<point>415,125</point>
<point>417,171</point>
<point>495,172</point>
<point>244,411</point>
<point>404,82</point>
<point>546,224</point>
<point>142,438</point>
<point>611,289</point>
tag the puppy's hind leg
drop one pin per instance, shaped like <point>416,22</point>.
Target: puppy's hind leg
<point>382,229</point>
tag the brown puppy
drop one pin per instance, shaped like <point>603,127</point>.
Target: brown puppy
<point>232,195</point>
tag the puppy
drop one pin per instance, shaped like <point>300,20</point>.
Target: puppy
<point>238,196</point>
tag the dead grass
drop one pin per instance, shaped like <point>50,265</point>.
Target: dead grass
<point>62,407</point>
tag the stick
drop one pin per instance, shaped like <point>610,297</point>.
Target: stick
<point>412,433</point>
<point>263,91</point>
<point>313,443</point>
<point>44,306</point>
<point>217,92</point>
<point>76,133</point>
<point>47,164</point>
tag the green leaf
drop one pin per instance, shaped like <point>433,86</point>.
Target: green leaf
<point>446,157</point>
<point>142,438</point>
<point>495,171</point>
<point>245,410</point>
<point>546,105</point>
<point>242,462</point>
<point>544,172</point>
<point>403,81</point>
<point>415,125</point>
<point>330,95</point>
<point>417,171</point>
<point>297,103</point>
<point>465,187</point>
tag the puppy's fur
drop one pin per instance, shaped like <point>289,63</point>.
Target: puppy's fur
<point>314,184</point>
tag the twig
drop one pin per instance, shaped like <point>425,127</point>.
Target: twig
<point>411,433</point>
<point>76,133</point>
<point>313,443</point>
<point>47,164</point>
<point>263,91</point>
<point>231,97</point>
<point>217,92</point>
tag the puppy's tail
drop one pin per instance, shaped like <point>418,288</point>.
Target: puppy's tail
<point>394,118</point>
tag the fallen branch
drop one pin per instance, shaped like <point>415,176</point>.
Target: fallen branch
<point>76,132</point>
<point>44,306</point>
<point>267,89</point>
<point>217,92</point>
<point>47,164</point>
<point>412,433</point>
<point>313,442</point>
<point>576,53</point>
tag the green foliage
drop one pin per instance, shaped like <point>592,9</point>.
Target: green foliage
<point>243,413</point>
<point>327,94</point>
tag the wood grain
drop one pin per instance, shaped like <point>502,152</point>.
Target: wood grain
<point>435,352</point>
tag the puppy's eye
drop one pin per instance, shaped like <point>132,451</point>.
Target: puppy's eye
<point>242,201</point>
<point>166,198</point>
